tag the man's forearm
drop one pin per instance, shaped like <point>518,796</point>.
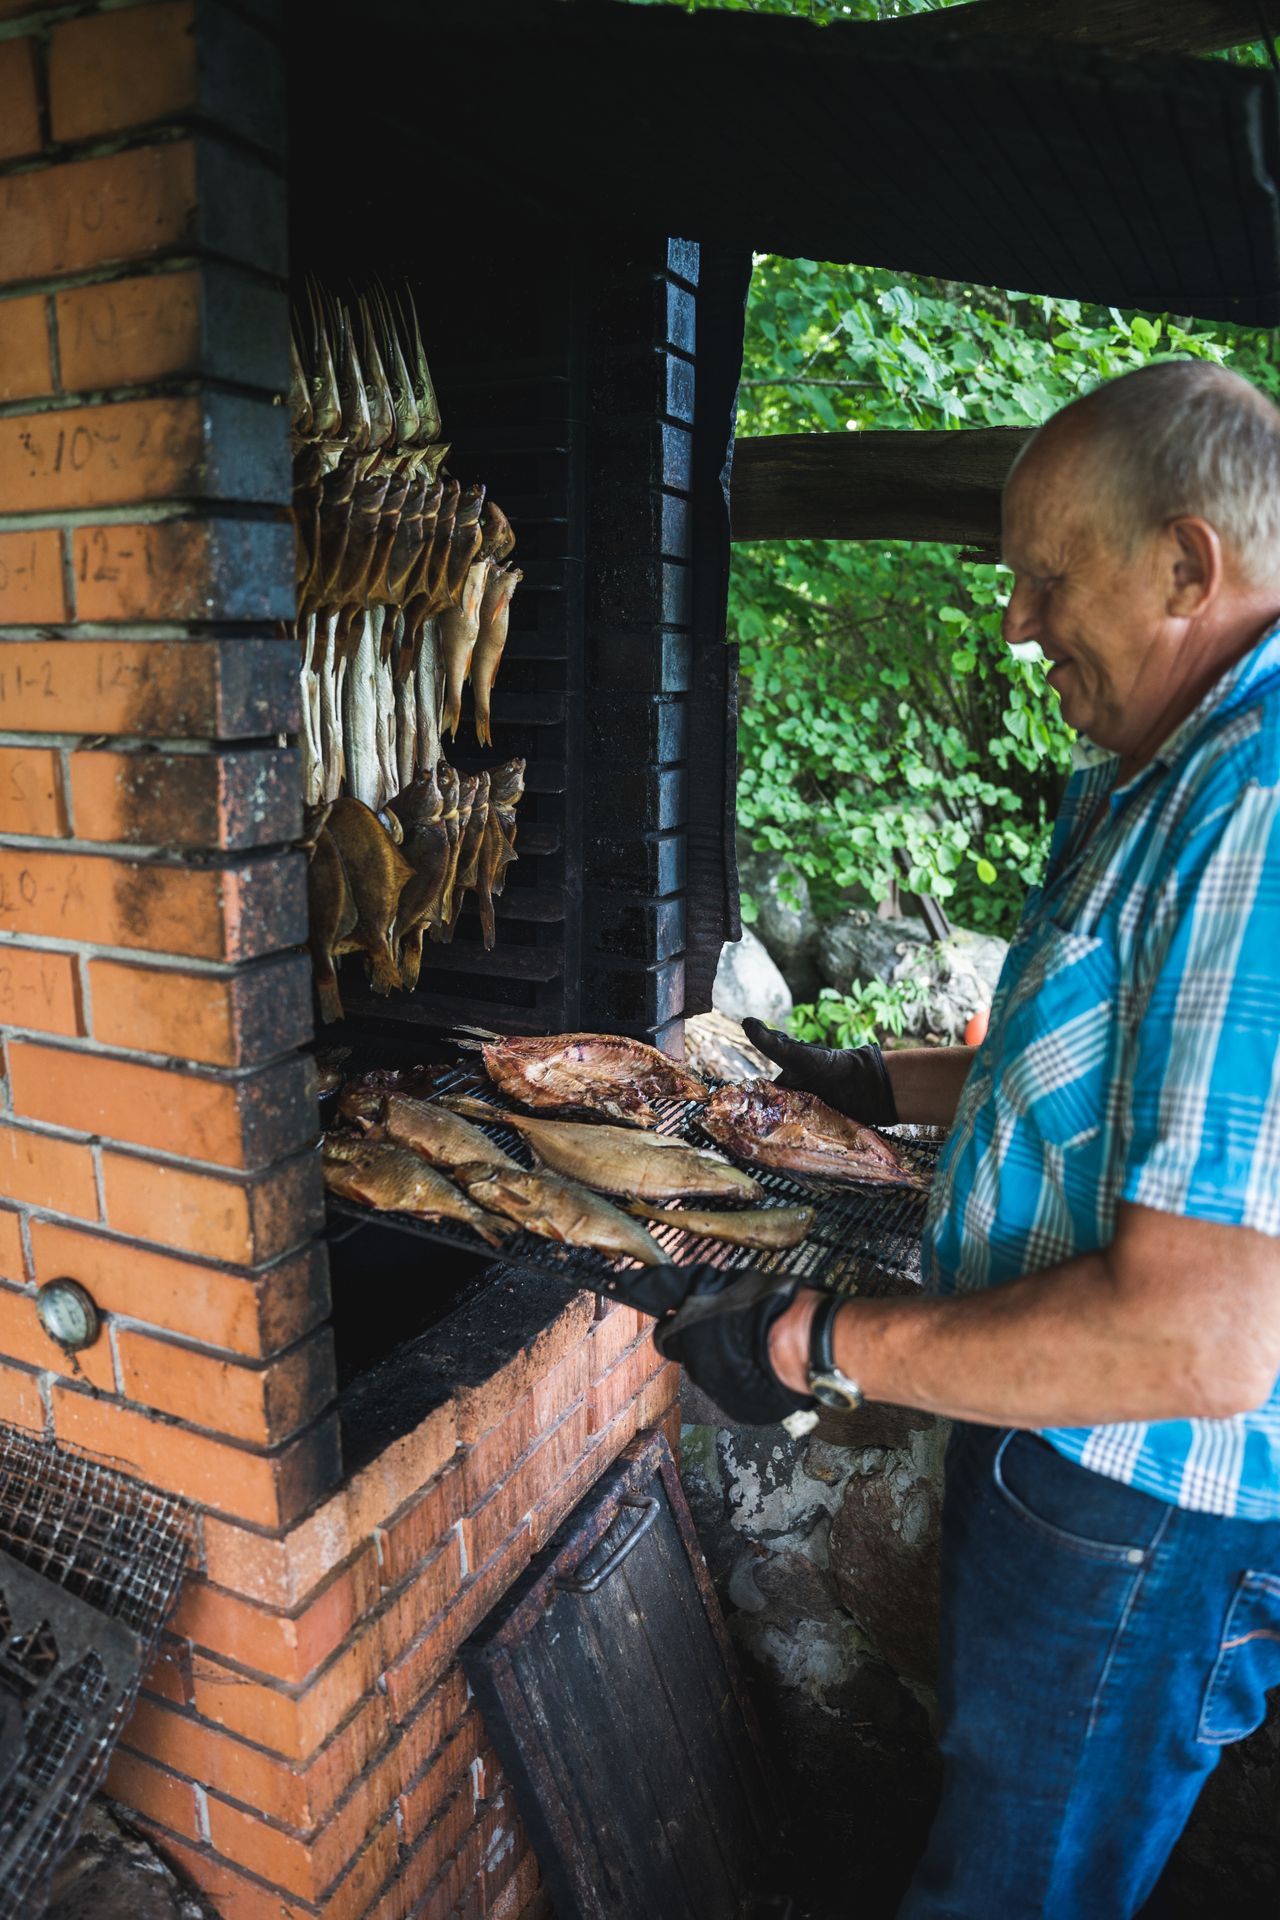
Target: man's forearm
<point>926,1082</point>
<point>1102,1338</point>
<point>1044,1352</point>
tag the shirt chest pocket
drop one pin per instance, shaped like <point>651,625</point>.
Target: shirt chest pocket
<point>1058,1039</point>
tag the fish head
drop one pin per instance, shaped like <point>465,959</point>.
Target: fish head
<point>344,1149</point>
<point>491,1186</point>
<point>363,1104</point>
<point>420,803</point>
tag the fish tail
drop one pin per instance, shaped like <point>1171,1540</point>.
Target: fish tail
<point>330,1000</point>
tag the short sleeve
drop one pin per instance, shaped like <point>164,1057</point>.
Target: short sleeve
<point>1204,1134</point>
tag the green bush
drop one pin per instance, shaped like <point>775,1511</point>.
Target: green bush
<point>874,1008</point>
<point>881,709</point>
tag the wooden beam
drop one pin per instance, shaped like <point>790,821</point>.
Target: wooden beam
<point>1125,26</point>
<point>881,485</point>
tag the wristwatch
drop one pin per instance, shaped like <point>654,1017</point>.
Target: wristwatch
<point>826,1382</point>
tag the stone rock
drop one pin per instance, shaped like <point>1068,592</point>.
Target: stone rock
<point>792,1582</point>
<point>876,1424</point>
<point>858,947</point>
<point>785,921</point>
<point>885,1547</point>
<point>956,976</point>
<point>959,976</point>
<point>749,983</point>
<point>113,1873</point>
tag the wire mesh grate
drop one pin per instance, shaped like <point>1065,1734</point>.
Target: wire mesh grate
<point>863,1238</point>
<point>90,1566</point>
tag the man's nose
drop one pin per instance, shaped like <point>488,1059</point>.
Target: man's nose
<point>1021,619</point>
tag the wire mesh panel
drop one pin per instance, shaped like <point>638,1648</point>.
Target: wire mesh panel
<point>861,1235</point>
<point>90,1565</point>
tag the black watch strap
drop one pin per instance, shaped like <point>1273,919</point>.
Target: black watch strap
<point>828,1385</point>
<point>822,1336</point>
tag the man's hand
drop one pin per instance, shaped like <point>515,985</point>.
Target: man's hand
<point>722,1339</point>
<point>662,1291</point>
<point>853,1080</point>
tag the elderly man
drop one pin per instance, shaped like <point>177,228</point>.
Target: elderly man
<point>1103,1322</point>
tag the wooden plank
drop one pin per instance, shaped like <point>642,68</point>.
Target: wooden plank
<point>679,1757</point>
<point>876,485</point>
<point>586,1737</point>
<point>1123,26</point>
<point>714,1671</point>
<point>619,1715</point>
<point>686,1679</point>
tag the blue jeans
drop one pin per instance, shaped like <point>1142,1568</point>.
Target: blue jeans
<point>1099,1648</point>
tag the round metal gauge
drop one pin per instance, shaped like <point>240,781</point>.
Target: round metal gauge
<point>68,1314</point>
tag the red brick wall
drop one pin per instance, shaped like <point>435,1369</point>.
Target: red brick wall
<point>157,1115</point>
<point>304,1743</point>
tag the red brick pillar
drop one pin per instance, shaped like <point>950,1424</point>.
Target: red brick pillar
<point>158,1118</point>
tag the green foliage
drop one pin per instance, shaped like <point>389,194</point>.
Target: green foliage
<point>882,712</point>
<point>851,1019</point>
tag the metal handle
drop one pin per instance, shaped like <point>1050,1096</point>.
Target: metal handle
<point>573,1583</point>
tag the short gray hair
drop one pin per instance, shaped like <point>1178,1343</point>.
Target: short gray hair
<point>1183,437</point>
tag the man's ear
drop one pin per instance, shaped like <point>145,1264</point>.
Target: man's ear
<point>1194,555</point>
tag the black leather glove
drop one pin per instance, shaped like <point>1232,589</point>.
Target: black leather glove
<point>664,1290</point>
<point>853,1080</point>
<point>721,1336</point>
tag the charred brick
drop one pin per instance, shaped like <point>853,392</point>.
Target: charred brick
<point>248,450</point>
<point>242,209</point>
<point>646,311</point>
<point>257,688</point>
<point>639,589</point>
<point>231,801</point>
<point>645,381</point>
<point>630,730</point>
<point>654,864</point>
<point>651,799</point>
<point>635,929</point>
<point>638,660</point>
<point>621,997</point>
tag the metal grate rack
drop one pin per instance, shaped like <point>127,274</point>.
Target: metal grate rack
<point>862,1236</point>
<point>90,1566</point>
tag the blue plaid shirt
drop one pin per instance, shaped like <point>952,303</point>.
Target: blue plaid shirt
<point>1134,1054</point>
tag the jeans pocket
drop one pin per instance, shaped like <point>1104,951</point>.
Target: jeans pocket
<point>1073,1508</point>
<point>1248,1662</point>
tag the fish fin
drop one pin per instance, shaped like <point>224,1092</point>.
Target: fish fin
<point>471,1108</point>
<point>494,1231</point>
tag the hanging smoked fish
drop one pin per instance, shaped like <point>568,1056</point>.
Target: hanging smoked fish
<point>421,811</point>
<point>468,873</point>
<point>459,629</point>
<point>495,612</point>
<point>498,848</point>
<point>402,592</point>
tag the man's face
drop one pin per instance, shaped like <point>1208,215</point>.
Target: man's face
<point>1100,616</point>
